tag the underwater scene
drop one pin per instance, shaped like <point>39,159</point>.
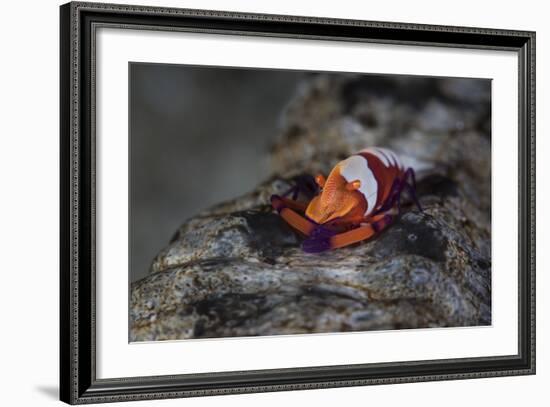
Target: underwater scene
<point>276,202</point>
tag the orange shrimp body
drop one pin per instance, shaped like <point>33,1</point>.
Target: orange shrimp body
<point>358,198</point>
<point>356,186</point>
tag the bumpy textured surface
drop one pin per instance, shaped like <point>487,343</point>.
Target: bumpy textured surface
<point>238,270</point>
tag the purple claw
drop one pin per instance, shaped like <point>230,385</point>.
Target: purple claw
<point>318,241</point>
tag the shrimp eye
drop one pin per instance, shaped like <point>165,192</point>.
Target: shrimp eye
<point>352,186</point>
<point>320,180</point>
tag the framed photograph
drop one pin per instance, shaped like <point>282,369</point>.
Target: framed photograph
<point>255,203</point>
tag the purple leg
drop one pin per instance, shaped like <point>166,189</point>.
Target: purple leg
<point>305,184</point>
<point>410,187</point>
<point>382,223</point>
<point>410,173</point>
<point>292,190</point>
<point>395,192</point>
<point>412,193</point>
<point>399,201</point>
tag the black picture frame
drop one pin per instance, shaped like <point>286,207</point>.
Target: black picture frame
<point>78,382</point>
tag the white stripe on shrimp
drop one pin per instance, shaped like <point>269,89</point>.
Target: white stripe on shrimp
<point>356,168</point>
